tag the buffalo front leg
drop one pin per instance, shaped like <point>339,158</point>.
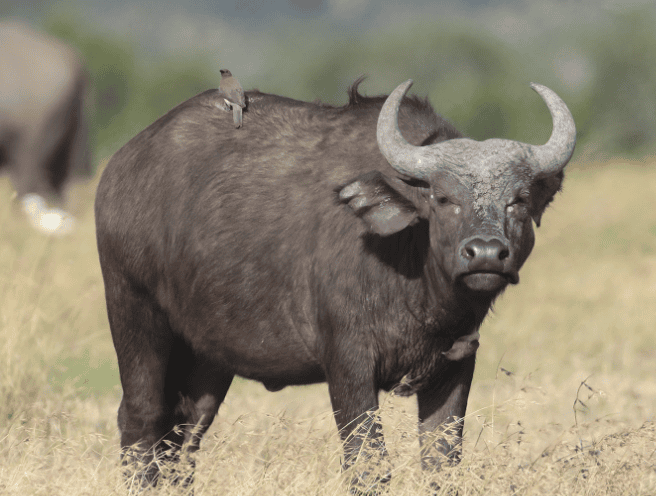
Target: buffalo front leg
<point>441,414</point>
<point>355,405</point>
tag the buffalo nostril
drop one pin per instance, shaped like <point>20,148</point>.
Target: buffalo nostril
<point>478,250</point>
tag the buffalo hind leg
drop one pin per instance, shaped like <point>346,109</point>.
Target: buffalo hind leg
<point>196,388</point>
<point>142,339</point>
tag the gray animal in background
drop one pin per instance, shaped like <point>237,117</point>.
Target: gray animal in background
<point>233,95</point>
<point>360,245</point>
<point>43,126</point>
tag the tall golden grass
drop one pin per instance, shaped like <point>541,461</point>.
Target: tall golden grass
<point>563,399</point>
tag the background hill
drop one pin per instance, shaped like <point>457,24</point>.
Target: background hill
<point>473,59</point>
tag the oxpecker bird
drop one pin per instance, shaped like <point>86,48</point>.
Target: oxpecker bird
<point>233,95</point>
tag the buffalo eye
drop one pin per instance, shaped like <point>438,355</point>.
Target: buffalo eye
<point>444,201</point>
<point>518,203</point>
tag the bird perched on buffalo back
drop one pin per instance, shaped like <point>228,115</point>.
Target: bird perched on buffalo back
<point>233,94</point>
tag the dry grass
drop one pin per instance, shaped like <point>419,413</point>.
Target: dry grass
<point>563,399</point>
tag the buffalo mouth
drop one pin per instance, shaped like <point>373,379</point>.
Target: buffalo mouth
<point>488,282</point>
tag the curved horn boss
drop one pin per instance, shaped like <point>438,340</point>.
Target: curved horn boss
<point>420,161</point>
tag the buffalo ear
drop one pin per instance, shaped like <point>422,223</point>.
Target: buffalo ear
<point>542,192</point>
<point>378,204</point>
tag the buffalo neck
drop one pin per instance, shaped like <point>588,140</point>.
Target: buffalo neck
<point>425,293</point>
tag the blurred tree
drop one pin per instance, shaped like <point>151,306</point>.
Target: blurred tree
<point>111,65</point>
<point>13,8</point>
<point>470,77</point>
<point>621,104</point>
<point>129,90</point>
<point>307,6</point>
<point>173,79</point>
<point>606,72</point>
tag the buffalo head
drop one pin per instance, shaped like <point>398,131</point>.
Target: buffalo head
<point>478,197</point>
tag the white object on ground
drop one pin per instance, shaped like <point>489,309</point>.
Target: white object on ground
<point>52,221</point>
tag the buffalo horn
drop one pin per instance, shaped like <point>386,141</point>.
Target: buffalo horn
<point>399,153</point>
<point>551,157</point>
<point>420,161</point>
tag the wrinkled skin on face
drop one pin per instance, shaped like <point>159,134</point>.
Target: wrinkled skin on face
<point>498,219</point>
<point>479,216</point>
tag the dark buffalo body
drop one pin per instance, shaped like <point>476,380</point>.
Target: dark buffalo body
<point>291,252</point>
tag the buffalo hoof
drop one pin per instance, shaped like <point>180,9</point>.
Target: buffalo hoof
<point>50,221</point>
<point>435,489</point>
<point>368,484</point>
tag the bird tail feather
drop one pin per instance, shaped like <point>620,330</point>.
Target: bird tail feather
<point>236,115</point>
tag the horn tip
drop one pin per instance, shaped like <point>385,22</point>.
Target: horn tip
<point>406,85</point>
<point>403,87</point>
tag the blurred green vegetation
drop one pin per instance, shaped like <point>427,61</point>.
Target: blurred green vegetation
<point>126,93</point>
<point>606,72</point>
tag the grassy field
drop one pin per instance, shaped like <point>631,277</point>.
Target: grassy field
<point>563,399</point>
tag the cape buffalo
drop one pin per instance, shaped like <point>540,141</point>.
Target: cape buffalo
<point>43,126</point>
<point>359,245</point>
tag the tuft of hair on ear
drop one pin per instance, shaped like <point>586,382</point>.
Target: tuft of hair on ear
<point>353,95</point>
<point>543,191</point>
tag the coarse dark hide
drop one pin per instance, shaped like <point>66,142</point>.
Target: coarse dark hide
<point>314,244</point>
